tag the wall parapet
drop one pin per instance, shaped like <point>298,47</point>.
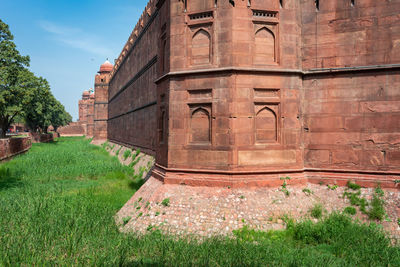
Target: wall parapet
<point>11,147</point>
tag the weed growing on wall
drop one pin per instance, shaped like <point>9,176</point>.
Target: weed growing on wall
<point>127,154</point>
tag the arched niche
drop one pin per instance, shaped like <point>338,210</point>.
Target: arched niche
<point>200,126</point>
<point>264,46</point>
<point>266,126</point>
<point>201,47</point>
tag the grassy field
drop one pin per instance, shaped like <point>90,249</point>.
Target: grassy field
<point>57,204</point>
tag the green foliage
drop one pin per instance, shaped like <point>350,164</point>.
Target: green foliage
<point>134,162</point>
<point>15,89</point>
<point>353,186</point>
<point>127,153</point>
<point>356,200</point>
<point>284,185</point>
<point>377,211</point>
<point>22,94</point>
<point>165,202</point>
<point>307,191</point>
<point>350,210</point>
<point>316,211</point>
<point>105,145</point>
<point>57,207</point>
<point>117,153</point>
<point>332,187</point>
<point>241,197</point>
<point>125,220</point>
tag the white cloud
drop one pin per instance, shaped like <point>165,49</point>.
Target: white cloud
<point>76,38</point>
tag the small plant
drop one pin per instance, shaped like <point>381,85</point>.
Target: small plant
<point>353,186</point>
<point>332,187</point>
<point>284,185</point>
<point>316,211</point>
<point>379,191</point>
<point>147,205</point>
<point>398,222</point>
<point>117,153</point>
<point>307,191</point>
<point>105,145</point>
<point>243,221</point>
<point>127,154</point>
<point>356,200</point>
<point>125,220</point>
<point>397,182</point>
<point>140,214</point>
<point>165,202</point>
<point>140,199</point>
<point>157,213</point>
<point>321,183</point>
<point>241,197</point>
<point>377,211</point>
<point>350,210</point>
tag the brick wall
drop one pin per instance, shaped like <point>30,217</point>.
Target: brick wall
<point>14,146</point>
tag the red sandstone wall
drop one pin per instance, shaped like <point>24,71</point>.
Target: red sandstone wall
<point>245,117</point>
<point>74,128</point>
<point>352,121</point>
<point>339,35</point>
<point>101,106</point>
<point>14,146</point>
<point>132,92</point>
<point>42,138</point>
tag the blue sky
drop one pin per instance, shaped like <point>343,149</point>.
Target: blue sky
<point>68,40</point>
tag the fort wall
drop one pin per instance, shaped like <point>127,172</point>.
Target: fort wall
<point>245,92</point>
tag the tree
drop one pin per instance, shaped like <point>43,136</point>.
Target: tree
<point>14,79</point>
<point>38,110</point>
<point>59,117</point>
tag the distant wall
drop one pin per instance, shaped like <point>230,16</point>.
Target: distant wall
<point>132,99</point>
<point>14,146</point>
<point>72,129</point>
<point>42,138</point>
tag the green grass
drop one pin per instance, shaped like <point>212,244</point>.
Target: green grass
<point>57,207</point>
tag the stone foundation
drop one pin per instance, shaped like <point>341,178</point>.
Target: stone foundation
<point>208,211</point>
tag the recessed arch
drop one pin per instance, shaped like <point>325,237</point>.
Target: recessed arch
<point>266,126</point>
<point>264,46</point>
<point>200,126</point>
<point>201,47</point>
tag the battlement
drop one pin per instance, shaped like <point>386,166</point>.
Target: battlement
<point>144,19</point>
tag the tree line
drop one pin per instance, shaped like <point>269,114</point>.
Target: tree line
<point>24,96</point>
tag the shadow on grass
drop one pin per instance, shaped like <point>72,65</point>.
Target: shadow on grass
<point>7,180</point>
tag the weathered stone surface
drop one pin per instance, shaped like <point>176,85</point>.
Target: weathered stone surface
<point>239,94</point>
<point>10,147</point>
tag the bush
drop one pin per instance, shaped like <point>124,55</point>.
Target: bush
<point>350,210</point>
<point>316,211</point>
<point>353,185</point>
